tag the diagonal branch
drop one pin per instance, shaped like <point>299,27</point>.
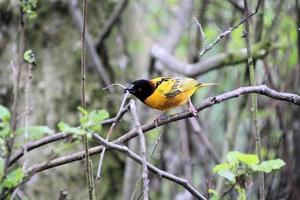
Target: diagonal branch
<point>38,143</point>
<point>261,89</point>
<point>152,168</point>
<point>217,61</point>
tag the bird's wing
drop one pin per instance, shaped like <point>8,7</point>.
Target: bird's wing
<point>171,87</point>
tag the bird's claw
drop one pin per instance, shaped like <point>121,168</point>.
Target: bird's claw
<point>194,112</point>
<point>159,119</point>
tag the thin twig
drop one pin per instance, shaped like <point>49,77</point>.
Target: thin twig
<point>160,173</point>
<point>238,5</point>
<point>38,143</point>
<point>114,84</point>
<point>143,149</point>
<point>228,31</point>
<point>149,157</point>
<point>17,71</point>
<point>88,161</point>
<point>250,66</point>
<point>202,35</point>
<point>261,89</point>
<point>116,119</point>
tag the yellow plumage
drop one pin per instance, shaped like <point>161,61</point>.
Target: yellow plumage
<point>172,92</point>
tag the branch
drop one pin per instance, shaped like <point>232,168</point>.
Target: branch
<point>238,5</point>
<point>254,110</point>
<point>152,168</point>
<point>88,161</point>
<point>217,61</point>
<point>115,120</point>
<point>35,144</point>
<point>228,31</point>
<point>142,147</point>
<point>261,89</point>
<point>203,68</point>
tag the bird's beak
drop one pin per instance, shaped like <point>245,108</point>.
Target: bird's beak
<point>130,89</point>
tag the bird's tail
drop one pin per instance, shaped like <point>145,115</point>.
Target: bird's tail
<point>206,84</point>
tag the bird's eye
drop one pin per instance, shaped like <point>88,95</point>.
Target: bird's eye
<point>139,89</point>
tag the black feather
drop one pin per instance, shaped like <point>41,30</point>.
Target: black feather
<point>142,89</point>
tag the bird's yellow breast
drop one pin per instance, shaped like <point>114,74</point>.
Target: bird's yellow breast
<point>160,101</point>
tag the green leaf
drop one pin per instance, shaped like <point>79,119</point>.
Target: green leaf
<point>36,132</point>
<point>4,130</point>
<point>64,127</point>
<point>4,114</point>
<point>92,121</point>
<point>222,166</point>
<point>213,194</point>
<point>28,7</point>
<point>232,157</point>
<point>82,110</point>
<point>228,175</point>
<point>268,166</point>
<point>242,193</point>
<point>237,157</point>
<point>14,178</point>
<point>248,159</point>
<point>29,57</point>
<point>4,122</point>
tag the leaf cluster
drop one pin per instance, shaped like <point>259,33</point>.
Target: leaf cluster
<point>239,167</point>
<point>90,122</point>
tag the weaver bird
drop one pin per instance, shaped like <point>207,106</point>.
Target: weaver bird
<point>164,93</point>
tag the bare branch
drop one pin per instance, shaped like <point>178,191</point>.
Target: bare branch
<point>152,168</point>
<point>35,144</point>
<point>209,64</point>
<point>228,31</point>
<point>120,113</point>
<point>142,147</point>
<point>238,5</point>
<point>202,35</point>
<point>261,89</point>
<point>254,110</point>
<point>193,69</point>
<point>88,161</point>
<point>114,84</point>
<point>116,118</point>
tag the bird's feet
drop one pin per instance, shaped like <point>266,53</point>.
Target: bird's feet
<point>161,117</point>
<point>192,109</point>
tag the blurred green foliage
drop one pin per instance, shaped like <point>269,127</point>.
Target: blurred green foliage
<point>240,167</point>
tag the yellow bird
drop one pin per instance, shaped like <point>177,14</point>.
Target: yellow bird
<point>164,93</point>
